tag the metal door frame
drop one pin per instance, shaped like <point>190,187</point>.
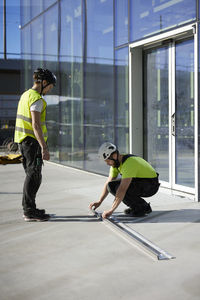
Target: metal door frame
<point>136,100</point>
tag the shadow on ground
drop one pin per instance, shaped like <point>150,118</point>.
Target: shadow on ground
<point>165,216</point>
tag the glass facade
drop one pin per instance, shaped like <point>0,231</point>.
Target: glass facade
<point>71,84</point>
<point>121,111</point>
<point>98,80</point>
<point>86,44</point>
<point>10,55</point>
<point>152,17</point>
<point>198,103</point>
<point>75,39</point>
<point>10,29</point>
<point>121,22</point>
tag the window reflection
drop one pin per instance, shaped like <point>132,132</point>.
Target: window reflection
<point>71,79</point>
<point>150,17</point>
<point>185,113</point>
<point>121,99</point>
<point>121,22</point>
<point>156,110</point>
<point>12,29</point>
<point>52,123</point>
<point>36,7</point>
<point>98,88</point>
<point>37,31</point>
<point>50,34</point>
<point>75,39</point>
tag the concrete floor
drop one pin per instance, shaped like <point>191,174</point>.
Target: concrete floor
<point>77,257</point>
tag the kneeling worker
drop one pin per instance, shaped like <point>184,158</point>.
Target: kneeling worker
<point>138,179</point>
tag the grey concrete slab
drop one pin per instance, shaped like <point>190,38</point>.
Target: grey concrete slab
<point>75,256</point>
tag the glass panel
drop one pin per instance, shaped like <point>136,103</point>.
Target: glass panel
<point>150,17</point>
<point>26,42</point>
<point>26,58</point>
<point>156,129</point>
<point>36,7</point>
<point>71,26</point>
<point>1,30</point>
<point>185,113</point>
<point>50,34</point>
<point>25,11</point>
<point>100,30</point>
<point>98,98</point>
<point>13,28</point>
<point>121,22</point>
<point>52,123</point>
<point>121,100</point>
<point>198,111</point>
<point>71,105</point>
<point>37,41</point>
<point>49,3</point>
<point>199,9</point>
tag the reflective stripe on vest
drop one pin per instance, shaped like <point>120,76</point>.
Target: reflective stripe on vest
<point>27,119</point>
<point>28,131</point>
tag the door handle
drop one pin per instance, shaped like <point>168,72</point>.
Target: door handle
<point>173,124</point>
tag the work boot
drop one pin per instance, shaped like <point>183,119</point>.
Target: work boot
<point>148,209</point>
<point>42,211</point>
<point>36,216</point>
<point>138,213</point>
<point>39,211</point>
<point>132,213</point>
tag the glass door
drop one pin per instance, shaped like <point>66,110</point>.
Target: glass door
<point>169,112</point>
<point>156,109</point>
<point>184,114</point>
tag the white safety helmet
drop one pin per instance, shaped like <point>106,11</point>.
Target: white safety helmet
<point>106,150</point>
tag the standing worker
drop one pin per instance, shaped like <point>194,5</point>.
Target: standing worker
<point>31,135</point>
<point>138,179</point>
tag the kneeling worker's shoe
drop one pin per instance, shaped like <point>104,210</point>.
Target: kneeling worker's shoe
<point>132,213</point>
<point>148,209</point>
<point>138,213</point>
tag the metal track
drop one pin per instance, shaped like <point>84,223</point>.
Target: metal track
<point>140,239</point>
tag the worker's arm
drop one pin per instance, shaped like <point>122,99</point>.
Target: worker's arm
<point>104,194</point>
<point>121,191</point>
<point>37,128</point>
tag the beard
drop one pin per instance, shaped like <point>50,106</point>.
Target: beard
<point>116,163</point>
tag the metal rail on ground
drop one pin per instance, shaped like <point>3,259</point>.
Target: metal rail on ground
<point>139,238</point>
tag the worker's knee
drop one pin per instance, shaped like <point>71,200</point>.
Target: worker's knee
<point>34,173</point>
<point>112,186</point>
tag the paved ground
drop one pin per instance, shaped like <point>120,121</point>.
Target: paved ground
<point>77,257</point>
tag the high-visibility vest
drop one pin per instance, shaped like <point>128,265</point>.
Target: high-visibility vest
<point>23,126</point>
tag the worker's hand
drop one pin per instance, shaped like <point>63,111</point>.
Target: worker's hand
<point>45,154</point>
<point>107,213</point>
<point>94,205</point>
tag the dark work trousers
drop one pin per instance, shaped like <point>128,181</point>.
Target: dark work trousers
<point>139,187</point>
<point>32,163</point>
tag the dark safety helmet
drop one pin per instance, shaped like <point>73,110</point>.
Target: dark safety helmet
<point>44,74</point>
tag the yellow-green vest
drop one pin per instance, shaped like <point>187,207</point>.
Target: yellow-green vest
<point>23,126</point>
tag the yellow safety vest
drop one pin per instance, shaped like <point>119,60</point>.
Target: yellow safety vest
<point>23,126</point>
